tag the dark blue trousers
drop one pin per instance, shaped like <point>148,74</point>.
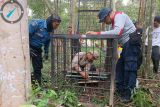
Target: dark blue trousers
<point>155,58</point>
<point>126,69</point>
<point>36,57</point>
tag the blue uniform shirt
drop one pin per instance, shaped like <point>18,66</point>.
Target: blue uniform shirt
<point>38,34</point>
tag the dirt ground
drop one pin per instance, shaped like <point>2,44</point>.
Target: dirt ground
<point>153,85</point>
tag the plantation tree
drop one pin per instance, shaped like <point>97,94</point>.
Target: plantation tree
<point>148,56</point>
<point>39,9</point>
<point>148,9</point>
<point>158,6</point>
<point>141,19</point>
<point>141,15</point>
<point>73,14</point>
<point>14,58</point>
<point>131,9</point>
<point>49,6</point>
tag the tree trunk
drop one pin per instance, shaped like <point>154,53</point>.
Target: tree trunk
<point>141,12</point>
<point>49,6</point>
<point>14,59</point>
<point>141,19</point>
<point>73,15</point>
<point>113,5</point>
<point>148,56</point>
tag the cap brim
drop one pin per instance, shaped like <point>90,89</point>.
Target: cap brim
<point>58,20</point>
<point>102,20</point>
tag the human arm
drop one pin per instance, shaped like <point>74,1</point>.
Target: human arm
<point>119,23</point>
<point>46,48</point>
<point>33,27</point>
<point>76,66</point>
<point>88,67</point>
<point>84,74</point>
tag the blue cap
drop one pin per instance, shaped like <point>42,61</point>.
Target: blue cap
<point>103,13</point>
<point>56,18</point>
<point>53,18</point>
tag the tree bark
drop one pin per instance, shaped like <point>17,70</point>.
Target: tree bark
<point>141,20</point>
<point>14,60</point>
<point>148,56</point>
<point>141,16</point>
<point>73,15</point>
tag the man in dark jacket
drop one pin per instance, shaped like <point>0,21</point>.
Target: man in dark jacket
<point>39,36</point>
<point>127,65</point>
<point>139,28</point>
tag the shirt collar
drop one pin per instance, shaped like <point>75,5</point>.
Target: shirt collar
<point>112,18</point>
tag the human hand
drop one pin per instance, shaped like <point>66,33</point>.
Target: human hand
<point>91,33</point>
<point>84,75</point>
<point>97,46</point>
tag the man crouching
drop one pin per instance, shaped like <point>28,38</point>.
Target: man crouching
<point>83,62</point>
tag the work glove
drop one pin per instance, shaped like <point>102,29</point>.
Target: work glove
<point>45,56</point>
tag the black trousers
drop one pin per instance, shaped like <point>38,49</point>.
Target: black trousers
<point>127,66</point>
<point>155,58</point>
<point>36,58</point>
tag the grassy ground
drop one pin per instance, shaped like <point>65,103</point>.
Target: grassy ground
<point>148,94</point>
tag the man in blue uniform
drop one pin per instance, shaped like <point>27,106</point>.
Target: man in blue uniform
<point>39,36</point>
